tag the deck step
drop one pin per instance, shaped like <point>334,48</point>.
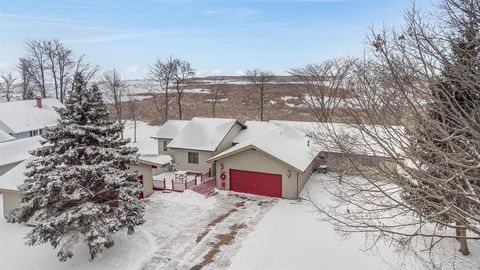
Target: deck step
<point>206,187</point>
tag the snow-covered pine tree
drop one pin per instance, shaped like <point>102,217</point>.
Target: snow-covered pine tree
<point>79,185</point>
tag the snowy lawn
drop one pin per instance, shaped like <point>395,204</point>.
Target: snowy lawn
<point>226,231</point>
<point>292,235</point>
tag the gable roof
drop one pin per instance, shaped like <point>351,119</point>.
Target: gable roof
<point>281,143</point>
<point>24,115</point>
<point>170,129</point>
<point>14,177</point>
<point>203,134</point>
<point>18,150</point>
<point>4,136</point>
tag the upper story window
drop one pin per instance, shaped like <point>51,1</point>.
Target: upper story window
<point>193,157</point>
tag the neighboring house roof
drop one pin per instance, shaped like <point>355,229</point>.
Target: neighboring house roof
<point>14,177</point>
<point>4,136</point>
<point>18,150</point>
<point>170,129</point>
<point>369,140</point>
<point>285,144</point>
<point>24,115</point>
<point>203,134</point>
<point>152,159</point>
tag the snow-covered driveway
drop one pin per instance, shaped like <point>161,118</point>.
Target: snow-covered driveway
<point>204,237</point>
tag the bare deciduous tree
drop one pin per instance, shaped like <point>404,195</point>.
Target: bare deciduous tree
<point>86,70</point>
<point>25,68</point>
<point>325,85</point>
<point>260,79</point>
<point>217,93</point>
<point>184,75</point>
<point>420,87</point>
<point>114,91</point>
<point>38,54</point>
<point>6,85</point>
<point>60,64</point>
<point>162,73</point>
<point>132,112</point>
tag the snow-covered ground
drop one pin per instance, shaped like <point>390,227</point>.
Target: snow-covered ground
<point>292,235</point>
<point>226,231</point>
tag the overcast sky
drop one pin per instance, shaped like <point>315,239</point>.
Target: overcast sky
<point>217,37</point>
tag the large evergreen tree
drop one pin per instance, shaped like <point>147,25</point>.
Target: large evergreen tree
<point>449,131</point>
<point>79,184</point>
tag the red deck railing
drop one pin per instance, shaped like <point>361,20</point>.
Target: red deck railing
<point>181,182</point>
<point>159,184</point>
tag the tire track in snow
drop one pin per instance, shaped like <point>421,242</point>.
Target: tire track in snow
<point>201,245</point>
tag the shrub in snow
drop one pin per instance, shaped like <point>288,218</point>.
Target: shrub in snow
<point>79,185</point>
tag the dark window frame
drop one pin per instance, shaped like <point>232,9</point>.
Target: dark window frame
<point>193,157</point>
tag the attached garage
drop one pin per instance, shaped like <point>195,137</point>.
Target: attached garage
<point>277,164</point>
<point>265,184</point>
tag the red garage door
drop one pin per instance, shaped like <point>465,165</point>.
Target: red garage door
<point>256,183</point>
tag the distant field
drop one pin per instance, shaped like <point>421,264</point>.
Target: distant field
<point>239,99</point>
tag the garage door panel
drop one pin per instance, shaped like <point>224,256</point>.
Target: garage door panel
<point>256,183</point>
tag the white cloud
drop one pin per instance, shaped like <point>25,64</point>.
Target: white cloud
<point>132,69</point>
<point>216,72</point>
<point>210,12</point>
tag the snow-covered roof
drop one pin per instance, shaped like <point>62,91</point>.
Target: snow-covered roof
<point>14,177</point>
<point>358,140</point>
<point>203,134</point>
<point>156,159</point>
<point>253,130</point>
<point>18,150</point>
<point>170,129</point>
<point>24,115</point>
<point>4,136</point>
<point>283,143</point>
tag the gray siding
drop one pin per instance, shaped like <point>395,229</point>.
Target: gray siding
<point>169,151</point>
<point>371,167</point>
<point>303,177</point>
<point>181,155</point>
<point>181,161</point>
<point>227,141</point>
<point>250,160</point>
<point>11,201</point>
